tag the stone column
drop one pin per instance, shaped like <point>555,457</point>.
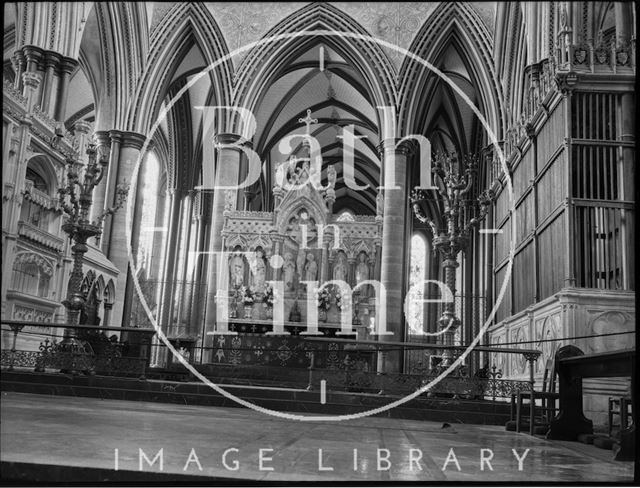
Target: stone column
<point>393,246</point>
<point>276,251</point>
<point>165,305</point>
<point>188,203</point>
<point>33,55</point>
<point>194,299</point>
<point>159,236</point>
<point>106,321</point>
<point>116,243</point>
<point>227,173</point>
<point>51,61</point>
<point>110,185</point>
<point>103,145</point>
<point>623,18</point>
<point>67,65</point>
<point>324,270</point>
<point>627,136</point>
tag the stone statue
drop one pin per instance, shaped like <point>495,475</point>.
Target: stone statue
<point>289,270</point>
<point>311,268</point>
<point>236,270</point>
<point>331,176</point>
<point>260,270</point>
<point>379,204</point>
<point>303,174</point>
<point>362,270</point>
<point>340,268</point>
<point>300,263</point>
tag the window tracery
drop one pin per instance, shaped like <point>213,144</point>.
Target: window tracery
<point>32,275</point>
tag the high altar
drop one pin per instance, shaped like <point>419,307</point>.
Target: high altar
<point>301,240</point>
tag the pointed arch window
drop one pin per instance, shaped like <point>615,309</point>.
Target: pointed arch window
<point>417,275</point>
<point>37,207</point>
<point>32,275</point>
<point>346,216</point>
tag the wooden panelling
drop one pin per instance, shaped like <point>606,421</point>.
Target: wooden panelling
<point>502,206</point>
<point>504,310</point>
<point>525,218</point>
<point>523,174</point>
<point>551,257</point>
<point>524,278</point>
<point>503,242</point>
<point>551,188</point>
<point>551,136</point>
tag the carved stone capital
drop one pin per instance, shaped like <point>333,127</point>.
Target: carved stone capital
<point>31,80</point>
<point>401,146</point>
<point>227,139</point>
<point>32,53</point>
<point>67,65</point>
<point>129,139</point>
<point>82,127</point>
<point>102,139</point>
<point>52,59</point>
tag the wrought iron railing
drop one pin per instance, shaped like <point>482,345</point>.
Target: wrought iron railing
<point>293,361</point>
<point>96,354</point>
<point>354,374</point>
<point>345,365</point>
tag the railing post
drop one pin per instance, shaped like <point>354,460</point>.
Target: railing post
<point>311,366</point>
<point>16,330</point>
<point>383,357</point>
<point>144,354</point>
<point>531,357</point>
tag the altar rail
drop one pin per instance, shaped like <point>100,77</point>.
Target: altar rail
<point>95,352</point>
<point>344,364</point>
<point>484,384</point>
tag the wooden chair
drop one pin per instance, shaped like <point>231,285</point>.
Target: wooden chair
<point>619,406</point>
<point>548,401</point>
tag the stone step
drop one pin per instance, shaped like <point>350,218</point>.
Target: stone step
<point>280,399</point>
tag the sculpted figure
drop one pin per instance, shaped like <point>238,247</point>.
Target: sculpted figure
<point>331,176</point>
<point>362,270</point>
<point>236,270</point>
<point>340,268</point>
<point>311,268</point>
<point>300,263</point>
<point>260,270</point>
<point>289,270</point>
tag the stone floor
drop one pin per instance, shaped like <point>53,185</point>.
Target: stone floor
<point>85,432</point>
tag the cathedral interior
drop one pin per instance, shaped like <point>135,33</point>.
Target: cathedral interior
<point>248,178</point>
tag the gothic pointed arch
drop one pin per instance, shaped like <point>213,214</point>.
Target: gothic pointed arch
<point>185,25</point>
<point>460,25</point>
<point>266,60</point>
<point>114,28</point>
<point>511,57</point>
<point>53,26</point>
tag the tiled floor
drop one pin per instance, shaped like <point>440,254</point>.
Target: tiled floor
<point>86,432</point>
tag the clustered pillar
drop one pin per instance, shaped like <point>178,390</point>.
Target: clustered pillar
<point>394,164</point>
<point>228,158</point>
<point>55,72</point>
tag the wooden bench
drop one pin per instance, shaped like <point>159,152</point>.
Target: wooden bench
<point>570,421</point>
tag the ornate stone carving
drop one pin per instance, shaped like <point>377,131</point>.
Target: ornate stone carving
<point>29,314</point>
<point>28,257</point>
